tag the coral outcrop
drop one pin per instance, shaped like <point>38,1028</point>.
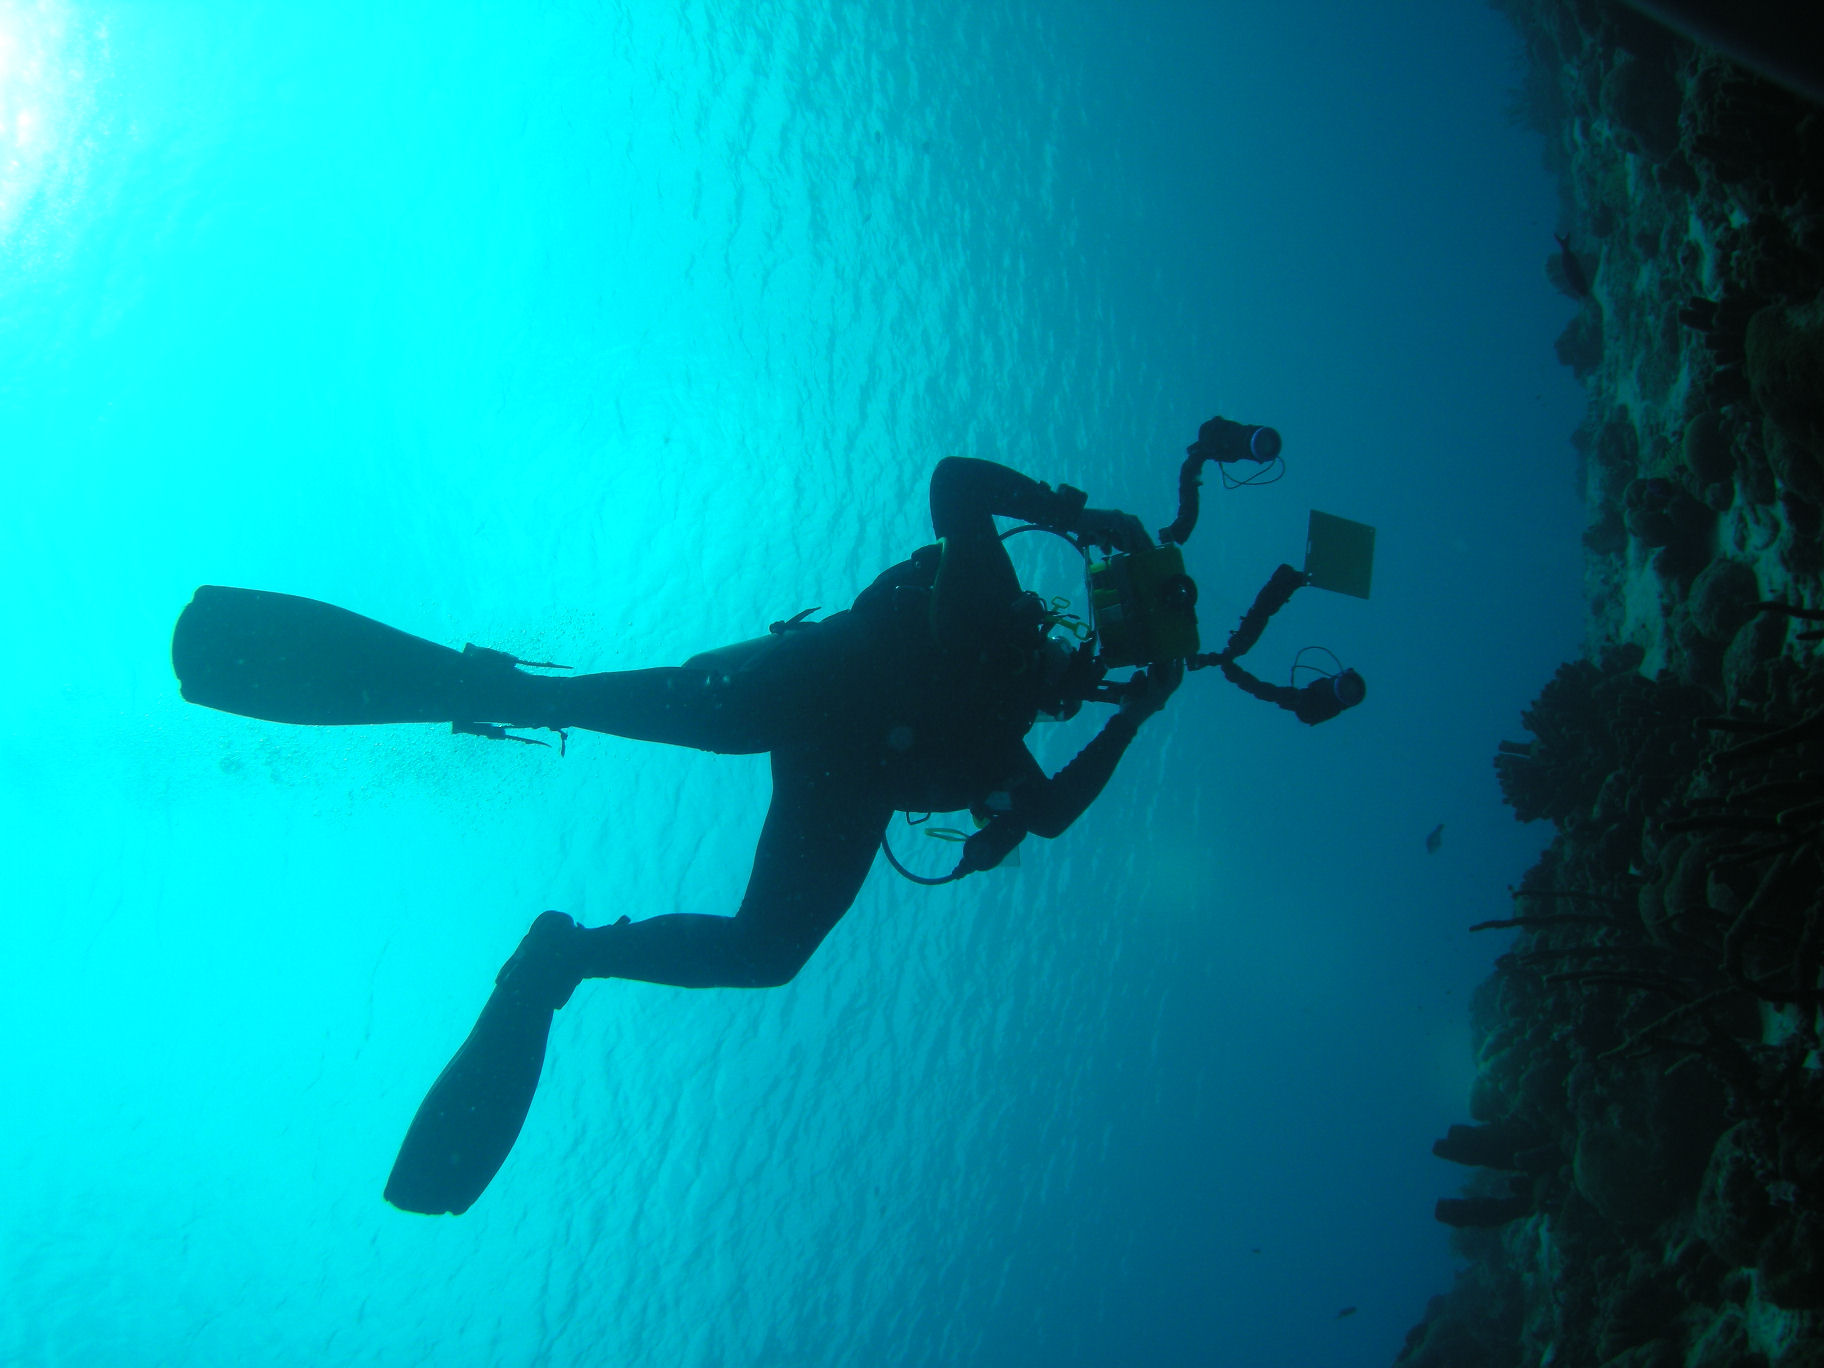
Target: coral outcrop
<point>1645,1134</point>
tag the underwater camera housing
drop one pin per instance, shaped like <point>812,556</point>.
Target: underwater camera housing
<point>1144,607</point>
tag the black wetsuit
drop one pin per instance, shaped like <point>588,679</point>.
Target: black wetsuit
<point>917,698</point>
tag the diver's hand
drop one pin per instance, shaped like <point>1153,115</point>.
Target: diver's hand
<point>1112,530</point>
<point>1147,691</point>
<point>989,846</point>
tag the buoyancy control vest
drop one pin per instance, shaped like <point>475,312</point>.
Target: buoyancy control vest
<point>935,723</point>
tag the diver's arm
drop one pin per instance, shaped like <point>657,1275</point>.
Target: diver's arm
<point>1046,807</point>
<point>965,491</point>
<point>976,584</point>
<point>967,494</point>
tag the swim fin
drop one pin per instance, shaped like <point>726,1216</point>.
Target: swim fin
<point>290,659</point>
<point>467,1123</point>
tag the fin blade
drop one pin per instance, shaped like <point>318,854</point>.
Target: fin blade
<point>288,659</point>
<point>469,1120</point>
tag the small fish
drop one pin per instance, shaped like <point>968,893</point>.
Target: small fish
<point>1436,839</point>
<point>1573,269</point>
<point>1346,1311</point>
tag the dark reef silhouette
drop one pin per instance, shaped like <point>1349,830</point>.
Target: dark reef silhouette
<point>1646,1128</point>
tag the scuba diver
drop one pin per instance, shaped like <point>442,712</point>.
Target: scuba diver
<point>915,699</point>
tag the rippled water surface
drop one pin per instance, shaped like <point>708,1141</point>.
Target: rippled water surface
<point>613,332</point>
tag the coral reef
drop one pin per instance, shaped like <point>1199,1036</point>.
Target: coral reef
<point>1648,1107</point>
<point>1646,1135</point>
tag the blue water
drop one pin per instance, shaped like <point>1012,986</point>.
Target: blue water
<point>613,332</point>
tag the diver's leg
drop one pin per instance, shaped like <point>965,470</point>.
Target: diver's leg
<point>815,851</point>
<point>785,691</point>
<point>290,659</point>
<point>814,854</point>
<point>675,705</point>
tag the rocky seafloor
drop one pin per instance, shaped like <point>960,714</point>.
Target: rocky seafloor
<point>1645,1137</point>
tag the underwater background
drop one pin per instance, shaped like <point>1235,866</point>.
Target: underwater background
<point>607,333</point>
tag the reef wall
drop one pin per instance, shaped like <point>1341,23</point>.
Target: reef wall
<point>1646,1130</point>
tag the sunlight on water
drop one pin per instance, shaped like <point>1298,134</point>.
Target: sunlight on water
<point>44,75</point>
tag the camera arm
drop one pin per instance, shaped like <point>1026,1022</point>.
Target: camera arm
<point>1225,441</point>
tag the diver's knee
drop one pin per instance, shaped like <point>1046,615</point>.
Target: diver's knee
<point>776,966</point>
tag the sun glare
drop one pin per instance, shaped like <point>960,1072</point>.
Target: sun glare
<point>34,78</point>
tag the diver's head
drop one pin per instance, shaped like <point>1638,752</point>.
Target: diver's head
<point>1028,616</point>
<point>1059,675</point>
<point>1057,671</point>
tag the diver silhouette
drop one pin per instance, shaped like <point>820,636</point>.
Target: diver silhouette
<point>917,698</point>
